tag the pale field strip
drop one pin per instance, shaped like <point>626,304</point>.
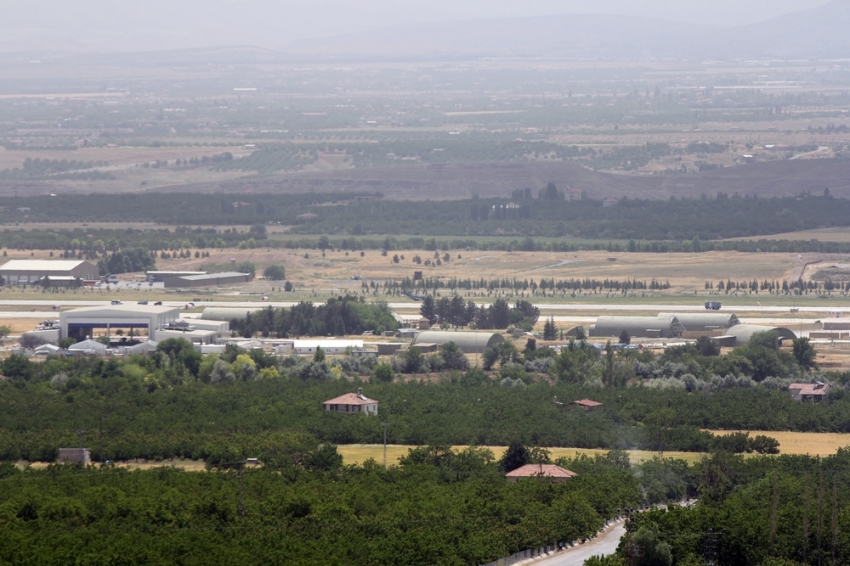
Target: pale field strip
<point>791,443</point>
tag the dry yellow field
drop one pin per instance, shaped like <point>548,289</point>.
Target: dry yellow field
<point>812,443</point>
<point>359,453</point>
<point>686,272</point>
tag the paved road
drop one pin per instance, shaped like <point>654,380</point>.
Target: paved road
<point>412,305</point>
<point>599,546</point>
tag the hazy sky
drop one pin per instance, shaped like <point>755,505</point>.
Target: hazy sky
<point>118,25</point>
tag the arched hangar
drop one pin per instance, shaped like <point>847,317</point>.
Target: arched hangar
<point>638,326</point>
<point>703,322</point>
<point>468,342</point>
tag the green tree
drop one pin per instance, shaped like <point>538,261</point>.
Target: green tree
<point>625,338</point>
<point>275,272</point>
<point>383,373</point>
<point>453,357</point>
<point>428,309</point>
<point>516,456</point>
<point>412,360</point>
<point>804,353</point>
<point>550,331</point>
<point>319,355</point>
<point>246,267</point>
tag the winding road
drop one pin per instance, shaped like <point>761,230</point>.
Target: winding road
<point>602,545</point>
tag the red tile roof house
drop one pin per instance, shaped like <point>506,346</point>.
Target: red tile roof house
<point>587,404</point>
<point>352,403</point>
<point>808,391</point>
<point>549,471</point>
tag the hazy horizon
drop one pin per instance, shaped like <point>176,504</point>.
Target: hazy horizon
<point>121,25</point>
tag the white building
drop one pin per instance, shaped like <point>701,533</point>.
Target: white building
<point>81,322</point>
<point>28,271</point>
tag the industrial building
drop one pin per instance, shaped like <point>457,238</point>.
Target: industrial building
<point>329,346</point>
<point>80,323</point>
<point>468,342</point>
<point>703,322</point>
<point>740,334</point>
<point>638,326</point>
<point>161,276</point>
<point>74,456</point>
<point>227,313</point>
<point>207,280</point>
<point>32,271</point>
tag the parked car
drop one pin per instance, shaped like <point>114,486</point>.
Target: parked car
<point>158,304</point>
<point>142,303</point>
<point>116,302</point>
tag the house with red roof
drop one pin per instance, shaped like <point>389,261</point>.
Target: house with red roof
<point>809,391</point>
<point>586,404</point>
<point>352,403</point>
<point>548,471</point>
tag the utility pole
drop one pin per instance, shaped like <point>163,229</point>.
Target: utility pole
<point>385,425</point>
<point>806,523</point>
<point>100,440</point>
<point>820,519</point>
<point>773,510</point>
<point>240,469</point>
<point>834,518</point>
<point>711,546</point>
<point>80,432</point>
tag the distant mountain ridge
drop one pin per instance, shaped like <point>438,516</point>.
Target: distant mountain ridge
<point>822,32</point>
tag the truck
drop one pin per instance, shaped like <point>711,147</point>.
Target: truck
<point>712,305</point>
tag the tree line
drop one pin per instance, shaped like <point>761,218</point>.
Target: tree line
<point>178,403</point>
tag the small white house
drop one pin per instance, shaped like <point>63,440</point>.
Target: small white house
<point>352,403</point>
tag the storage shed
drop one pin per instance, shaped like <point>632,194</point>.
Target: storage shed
<point>468,342</point>
<point>637,326</point>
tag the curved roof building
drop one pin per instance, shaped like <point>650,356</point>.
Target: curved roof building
<point>638,326</point>
<point>468,342</point>
<point>228,313</point>
<point>742,333</point>
<point>703,322</point>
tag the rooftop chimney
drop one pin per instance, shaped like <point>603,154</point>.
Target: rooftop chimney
<point>360,392</point>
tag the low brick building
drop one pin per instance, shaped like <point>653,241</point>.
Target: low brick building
<point>352,403</point>
<point>547,471</point>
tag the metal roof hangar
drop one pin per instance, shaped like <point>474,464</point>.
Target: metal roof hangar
<point>208,280</point>
<point>468,342</point>
<point>638,326</point>
<point>26,271</point>
<point>80,322</point>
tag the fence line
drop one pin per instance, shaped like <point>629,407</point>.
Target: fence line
<point>544,550</point>
<point>526,554</point>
